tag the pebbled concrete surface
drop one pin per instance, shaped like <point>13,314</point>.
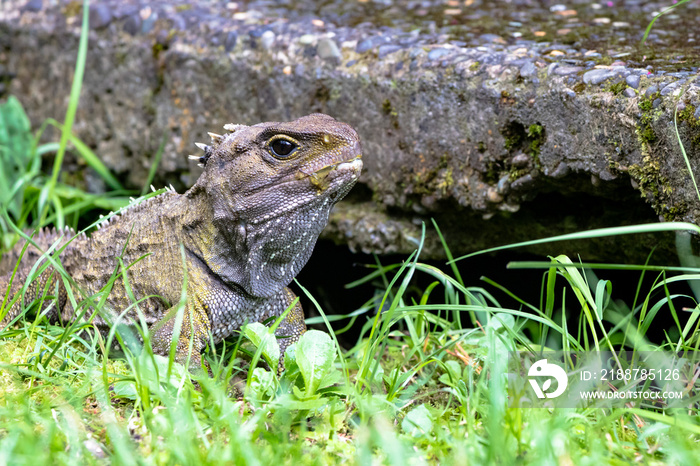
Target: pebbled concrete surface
<point>503,120</point>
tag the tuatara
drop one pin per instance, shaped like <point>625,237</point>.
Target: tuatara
<point>247,226</point>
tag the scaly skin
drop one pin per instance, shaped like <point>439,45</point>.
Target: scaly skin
<point>247,227</point>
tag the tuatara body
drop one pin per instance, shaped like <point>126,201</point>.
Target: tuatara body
<point>247,227</point>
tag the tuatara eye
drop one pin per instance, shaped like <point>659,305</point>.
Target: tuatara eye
<point>282,148</point>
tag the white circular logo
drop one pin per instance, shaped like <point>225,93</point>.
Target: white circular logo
<point>543,369</point>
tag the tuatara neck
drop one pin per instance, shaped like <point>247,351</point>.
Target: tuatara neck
<point>259,257</point>
<point>218,239</point>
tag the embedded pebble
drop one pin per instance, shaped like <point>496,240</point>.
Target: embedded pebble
<point>33,6</point>
<point>327,49</point>
<point>267,39</point>
<point>385,50</point>
<point>503,186</point>
<point>492,38</point>
<point>493,195</point>
<point>509,207</point>
<point>149,22</point>
<point>100,16</point>
<point>364,46</point>
<point>438,53</point>
<point>629,92</point>
<point>567,70</point>
<point>598,76</point>
<point>230,42</point>
<point>408,40</point>
<point>307,39</point>
<point>368,44</point>
<point>416,52</point>
<point>528,69</point>
<point>522,182</point>
<point>561,171</point>
<point>520,160</point>
<point>632,81</point>
<point>669,89</point>
<point>132,25</point>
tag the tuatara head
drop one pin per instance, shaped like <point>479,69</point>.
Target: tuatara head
<point>271,187</point>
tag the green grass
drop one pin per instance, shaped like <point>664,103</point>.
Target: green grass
<point>667,9</point>
<point>417,387</point>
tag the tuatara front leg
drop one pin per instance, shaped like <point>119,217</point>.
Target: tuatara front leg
<point>193,337</point>
<point>219,314</point>
<point>292,326</point>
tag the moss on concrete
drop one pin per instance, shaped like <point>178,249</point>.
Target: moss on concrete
<point>687,116</point>
<point>617,88</point>
<point>645,128</point>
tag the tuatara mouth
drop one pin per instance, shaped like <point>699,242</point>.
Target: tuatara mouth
<point>354,166</point>
<point>322,178</point>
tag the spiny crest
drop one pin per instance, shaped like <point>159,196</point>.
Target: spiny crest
<point>203,158</point>
<point>216,139</point>
<point>230,127</point>
<point>136,205</point>
<point>52,233</point>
